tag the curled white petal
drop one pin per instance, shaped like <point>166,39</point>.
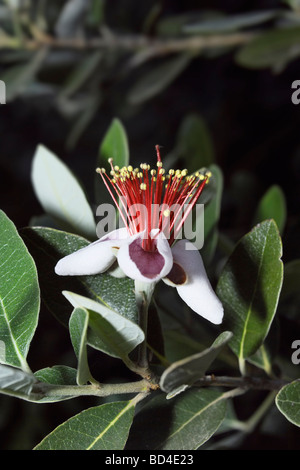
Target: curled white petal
<point>197,291</point>
<point>93,259</point>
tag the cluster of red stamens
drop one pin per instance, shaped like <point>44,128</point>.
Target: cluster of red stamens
<point>158,193</point>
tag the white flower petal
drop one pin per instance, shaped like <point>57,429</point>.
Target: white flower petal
<point>142,265</point>
<point>93,259</point>
<point>196,291</point>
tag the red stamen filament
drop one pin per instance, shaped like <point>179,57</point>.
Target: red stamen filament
<point>148,188</point>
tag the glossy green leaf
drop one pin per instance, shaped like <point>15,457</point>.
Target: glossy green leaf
<point>249,288</point>
<point>187,371</point>
<point>47,246</point>
<point>56,375</point>
<point>78,326</point>
<point>194,143</point>
<point>226,23</point>
<point>113,145</point>
<point>158,79</point>
<point>184,423</point>
<point>272,206</point>
<point>19,296</point>
<point>103,427</point>
<point>274,49</point>
<point>288,402</point>
<point>61,195</point>
<point>110,331</point>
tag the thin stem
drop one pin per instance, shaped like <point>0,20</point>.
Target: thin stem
<point>102,390</point>
<point>257,383</point>
<point>145,47</point>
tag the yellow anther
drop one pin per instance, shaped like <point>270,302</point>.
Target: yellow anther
<point>171,172</point>
<point>153,172</point>
<point>100,170</point>
<point>161,171</point>
<point>184,172</point>
<point>116,168</point>
<point>159,164</point>
<point>129,168</point>
<point>143,186</point>
<point>166,213</point>
<point>110,160</point>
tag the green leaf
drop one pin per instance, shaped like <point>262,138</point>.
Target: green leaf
<point>111,332</point>
<point>272,206</point>
<point>60,194</point>
<point>187,371</point>
<point>288,402</point>
<point>113,145</point>
<point>184,423</point>
<point>47,246</point>
<point>57,375</point>
<point>103,427</point>
<point>19,296</point>
<point>194,143</point>
<point>249,288</point>
<point>224,23</point>
<point>158,79</point>
<point>78,326</point>
<point>274,49</point>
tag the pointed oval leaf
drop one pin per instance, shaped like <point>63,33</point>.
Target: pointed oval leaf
<point>272,206</point>
<point>288,402</point>
<point>111,332</point>
<point>187,371</point>
<point>271,49</point>
<point>184,423</point>
<point>60,194</point>
<point>103,427</point>
<point>249,288</point>
<point>19,296</point>
<point>115,145</point>
<point>78,326</point>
